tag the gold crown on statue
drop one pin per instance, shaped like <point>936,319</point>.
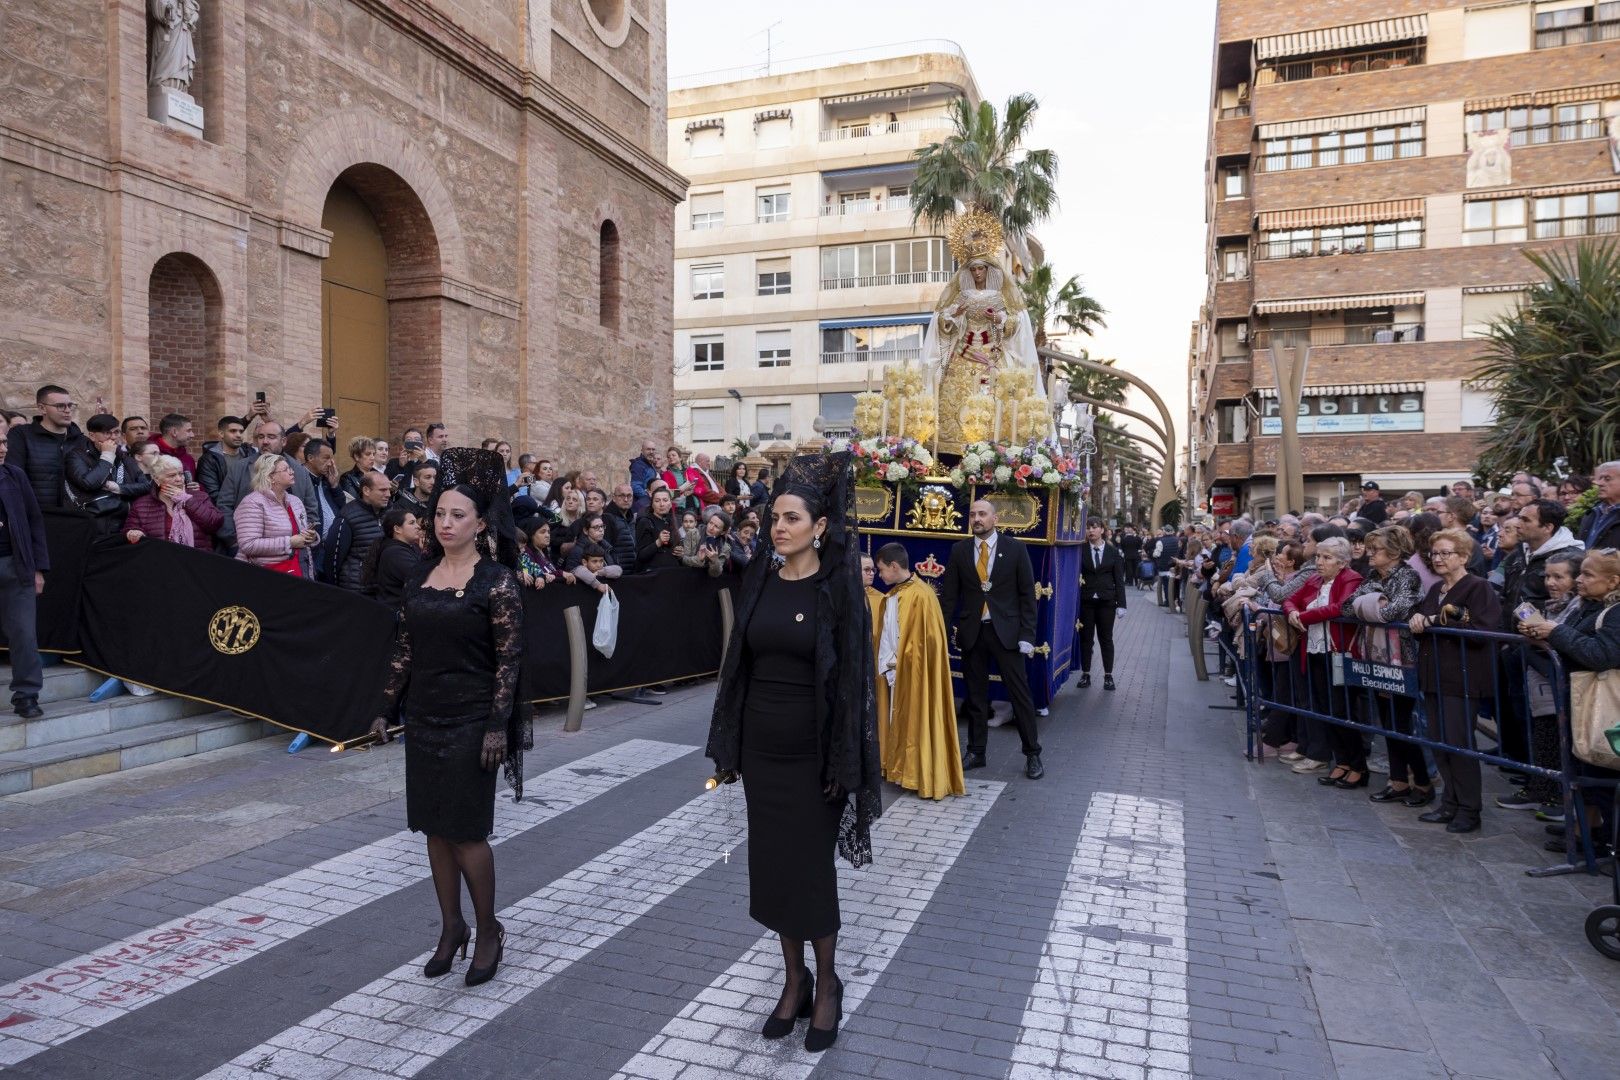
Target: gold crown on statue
<point>974,235</point>
<point>930,567</point>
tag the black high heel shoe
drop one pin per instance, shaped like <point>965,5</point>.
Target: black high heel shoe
<point>778,1028</point>
<point>818,1039</point>
<point>1344,782</point>
<point>1339,773</point>
<point>438,965</point>
<point>478,975</point>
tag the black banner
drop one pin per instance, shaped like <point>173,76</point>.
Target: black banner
<point>302,655</point>
<point>314,658</point>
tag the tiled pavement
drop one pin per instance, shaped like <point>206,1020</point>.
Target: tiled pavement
<point>1155,907</point>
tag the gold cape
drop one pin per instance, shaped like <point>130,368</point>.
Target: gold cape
<point>917,730</point>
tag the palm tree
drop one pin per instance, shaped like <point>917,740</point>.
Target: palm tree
<point>1070,306</point>
<point>1553,368</point>
<point>982,164</point>
<point>1083,382</point>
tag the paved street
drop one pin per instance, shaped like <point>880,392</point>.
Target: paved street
<point>1155,907</point>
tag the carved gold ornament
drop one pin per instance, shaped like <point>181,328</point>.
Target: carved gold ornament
<point>233,630</point>
<point>974,235</point>
<point>934,511</point>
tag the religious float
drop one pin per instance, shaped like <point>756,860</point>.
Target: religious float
<point>973,421</point>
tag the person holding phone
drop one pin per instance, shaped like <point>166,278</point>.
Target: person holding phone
<point>657,536</point>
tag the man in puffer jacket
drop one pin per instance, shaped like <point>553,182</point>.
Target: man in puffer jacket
<point>39,449</point>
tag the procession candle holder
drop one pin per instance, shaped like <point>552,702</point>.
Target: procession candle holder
<point>366,741</point>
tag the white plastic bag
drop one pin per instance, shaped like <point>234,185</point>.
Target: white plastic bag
<point>605,635</point>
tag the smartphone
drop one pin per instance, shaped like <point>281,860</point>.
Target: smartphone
<point>413,444</point>
<point>259,396</point>
<point>1524,611</point>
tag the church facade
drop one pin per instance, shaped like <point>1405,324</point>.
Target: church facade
<point>410,211</point>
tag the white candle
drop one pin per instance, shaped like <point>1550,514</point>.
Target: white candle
<point>1015,424</point>
<point>936,427</point>
<point>902,418</point>
<point>885,416</point>
<point>996,430</point>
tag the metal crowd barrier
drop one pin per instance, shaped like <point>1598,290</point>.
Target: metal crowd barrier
<point>1359,688</point>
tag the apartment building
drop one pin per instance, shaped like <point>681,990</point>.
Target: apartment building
<point>798,274</point>
<point>1376,171</point>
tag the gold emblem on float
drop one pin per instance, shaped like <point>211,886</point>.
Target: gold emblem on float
<point>934,511</point>
<point>233,630</point>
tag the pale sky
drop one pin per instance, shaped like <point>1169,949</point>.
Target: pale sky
<point>1124,95</point>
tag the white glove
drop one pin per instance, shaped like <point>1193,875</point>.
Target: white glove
<point>1026,648</point>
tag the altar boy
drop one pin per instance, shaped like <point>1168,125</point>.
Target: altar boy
<point>916,709</point>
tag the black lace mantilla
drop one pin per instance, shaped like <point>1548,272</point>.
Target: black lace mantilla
<point>846,708</point>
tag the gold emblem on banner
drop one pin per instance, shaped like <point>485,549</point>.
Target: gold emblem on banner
<point>233,630</point>
<point>934,511</point>
<point>873,503</point>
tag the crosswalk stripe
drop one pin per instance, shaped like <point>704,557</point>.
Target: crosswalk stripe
<point>400,1024</point>
<point>917,843</point>
<point>61,1003</point>
<point>1111,996</point>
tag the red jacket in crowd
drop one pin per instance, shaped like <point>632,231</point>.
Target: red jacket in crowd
<point>1339,634</point>
<point>150,516</point>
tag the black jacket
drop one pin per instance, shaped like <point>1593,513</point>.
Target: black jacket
<point>41,456</point>
<point>226,480</point>
<point>1374,510</point>
<point>1608,536</point>
<point>1131,548</point>
<point>622,536</point>
<point>1166,548</point>
<point>25,525</point>
<point>396,562</point>
<point>1104,581</point>
<point>358,527</point>
<point>1583,644</point>
<point>1011,596</point>
<point>649,555</point>
<point>88,473</point>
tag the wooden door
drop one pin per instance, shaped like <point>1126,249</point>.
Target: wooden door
<point>354,318</point>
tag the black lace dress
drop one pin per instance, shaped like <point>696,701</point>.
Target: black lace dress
<point>455,669</point>
<point>792,829</point>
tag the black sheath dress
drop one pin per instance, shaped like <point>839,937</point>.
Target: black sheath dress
<point>456,665</point>
<point>792,831</point>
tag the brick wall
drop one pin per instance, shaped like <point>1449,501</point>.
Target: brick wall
<point>183,334</point>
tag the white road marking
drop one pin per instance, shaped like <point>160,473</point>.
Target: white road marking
<point>916,843</point>
<point>61,1003</point>
<point>1111,996</point>
<point>400,1024</point>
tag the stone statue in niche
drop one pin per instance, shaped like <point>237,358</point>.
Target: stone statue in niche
<point>1490,160</point>
<point>172,63</point>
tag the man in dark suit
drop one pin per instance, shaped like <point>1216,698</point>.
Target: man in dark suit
<point>24,560</point>
<point>1102,594</point>
<point>989,598</point>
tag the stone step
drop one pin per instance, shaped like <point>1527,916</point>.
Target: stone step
<point>63,682</point>
<point>126,748</point>
<point>67,720</point>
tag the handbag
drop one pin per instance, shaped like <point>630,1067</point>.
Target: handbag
<point>1146,569</point>
<point>605,634</point>
<point>1594,699</point>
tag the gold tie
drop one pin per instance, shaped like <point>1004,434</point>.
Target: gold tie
<point>984,571</point>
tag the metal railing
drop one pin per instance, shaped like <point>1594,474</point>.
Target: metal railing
<point>876,356</point>
<point>863,206</point>
<point>893,127</point>
<point>1321,157</point>
<point>1351,63</point>
<point>1380,236</point>
<point>1578,34</point>
<point>1363,334</point>
<point>921,277</point>
<point>1383,698</point>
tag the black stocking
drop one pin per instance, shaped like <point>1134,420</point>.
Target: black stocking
<point>793,988</point>
<point>477,863</point>
<point>826,1011</point>
<point>447,887</point>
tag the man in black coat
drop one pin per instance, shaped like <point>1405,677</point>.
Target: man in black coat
<point>23,562</point>
<point>40,449</point>
<point>990,579</point>
<point>1102,594</point>
<point>1130,546</point>
<point>1372,503</point>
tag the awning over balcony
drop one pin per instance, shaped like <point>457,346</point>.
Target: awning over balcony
<point>874,95</point>
<point>1342,38</point>
<point>1349,214</point>
<point>1477,290</point>
<point>1337,303</point>
<point>1563,96</point>
<point>1350,122</point>
<point>876,320</point>
<point>1352,388</point>
<point>1608,184</point>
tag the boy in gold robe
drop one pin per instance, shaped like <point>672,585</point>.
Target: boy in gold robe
<point>916,709</point>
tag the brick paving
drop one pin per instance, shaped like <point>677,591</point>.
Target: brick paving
<point>1155,907</point>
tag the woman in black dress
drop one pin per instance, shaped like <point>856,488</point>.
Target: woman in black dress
<point>455,671</point>
<point>794,717</point>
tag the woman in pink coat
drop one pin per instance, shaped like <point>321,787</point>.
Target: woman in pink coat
<point>271,526</point>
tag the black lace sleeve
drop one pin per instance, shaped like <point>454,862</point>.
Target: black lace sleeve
<point>399,673</point>
<point>506,624</point>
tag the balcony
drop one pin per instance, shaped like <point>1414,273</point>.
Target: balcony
<point>1553,37</point>
<point>1233,299</point>
<point>1346,63</point>
<point>894,127</point>
<point>1359,334</point>
<point>1234,136</point>
<point>861,207</point>
<point>1233,112</point>
<point>880,356</point>
<point>922,277</point>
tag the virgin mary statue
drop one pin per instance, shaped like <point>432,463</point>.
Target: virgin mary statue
<point>979,329</point>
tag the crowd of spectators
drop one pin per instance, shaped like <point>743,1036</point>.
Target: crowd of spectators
<point>1385,580</point>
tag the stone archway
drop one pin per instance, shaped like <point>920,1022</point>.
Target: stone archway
<point>185,341</point>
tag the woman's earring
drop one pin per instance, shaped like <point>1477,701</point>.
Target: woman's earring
<point>816,543</point>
